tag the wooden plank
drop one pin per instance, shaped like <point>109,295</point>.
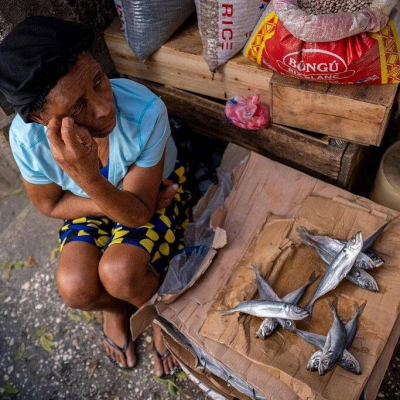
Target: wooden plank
<point>281,143</point>
<point>352,162</point>
<point>180,63</point>
<point>357,114</point>
<point>372,387</point>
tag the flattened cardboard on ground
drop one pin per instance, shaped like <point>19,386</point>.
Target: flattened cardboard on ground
<point>276,250</point>
<point>261,187</point>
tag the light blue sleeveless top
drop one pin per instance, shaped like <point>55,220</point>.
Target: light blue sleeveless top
<point>140,137</point>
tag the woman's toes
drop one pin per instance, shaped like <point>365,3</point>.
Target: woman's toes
<point>158,369</point>
<point>130,355</point>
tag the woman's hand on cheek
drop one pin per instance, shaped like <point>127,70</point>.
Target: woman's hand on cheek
<point>74,150</point>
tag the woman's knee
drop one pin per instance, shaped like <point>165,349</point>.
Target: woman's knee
<point>77,290</point>
<point>123,276</point>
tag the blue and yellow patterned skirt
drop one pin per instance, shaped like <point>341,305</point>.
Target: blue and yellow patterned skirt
<point>161,237</point>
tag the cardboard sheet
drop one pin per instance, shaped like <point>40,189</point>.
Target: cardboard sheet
<point>261,188</point>
<point>287,265</point>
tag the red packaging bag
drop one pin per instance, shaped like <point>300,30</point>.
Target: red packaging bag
<point>364,58</point>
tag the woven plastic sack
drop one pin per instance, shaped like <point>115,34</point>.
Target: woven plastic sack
<point>149,24</point>
<point>371,56</point>
<point>225,26</point>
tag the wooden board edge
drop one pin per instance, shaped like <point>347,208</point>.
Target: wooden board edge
<point>352,162</point>
<point>374,383</point>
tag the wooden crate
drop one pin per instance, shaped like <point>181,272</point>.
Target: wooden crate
<point>355,113</point>
<point>338,162</point>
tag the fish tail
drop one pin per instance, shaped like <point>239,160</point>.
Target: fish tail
<point>313,277</point>
<point>333,305</point>
<point>303,232</point>
<point>309,307</point>
<point>226,312</point>
<point>359,309</point>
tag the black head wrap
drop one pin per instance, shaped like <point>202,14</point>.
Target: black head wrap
<point>35,55</point>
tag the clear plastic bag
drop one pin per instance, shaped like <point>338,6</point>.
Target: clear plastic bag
<point>198,240</point>
<point>331,27</point>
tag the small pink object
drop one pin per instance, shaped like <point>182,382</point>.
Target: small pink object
<point>247,112</point>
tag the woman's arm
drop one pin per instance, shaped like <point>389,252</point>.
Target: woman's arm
<point>76,152</point>
<point>53,202</point>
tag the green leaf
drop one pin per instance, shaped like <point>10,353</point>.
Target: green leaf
<point>20,352</point>
<point>18,265</point>
<point>74,316</point>
<point>17,191</point>
<point>87,316</point>
<point>9,389</point>
<point>46,344</point>
<point>172,389</point>
<point>3,265</point>
<point>158,379</point>
<point>39,333</point>
<point>144,380</point>
<point>181,375</point>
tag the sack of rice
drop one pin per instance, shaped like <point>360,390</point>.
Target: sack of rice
<point>343,41</point>
<point>149,24</point>
<point>225,26</point>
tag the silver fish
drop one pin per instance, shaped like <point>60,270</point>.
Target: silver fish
<point>267,293</point>
<point>314,361</point>
<point>348,362</point>
<point>356,276</point>
<point>369,241</point>
<point>362,279</point>
<point>335,343</point>
<point>338,268</point>
<point>266,308</point>
<point>351,326</point>
<point>378,260</point>
<point>334,246</point>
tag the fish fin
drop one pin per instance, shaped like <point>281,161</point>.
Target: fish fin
<point>313,277</point>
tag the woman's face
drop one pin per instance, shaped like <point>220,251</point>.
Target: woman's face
<point>84,94</point>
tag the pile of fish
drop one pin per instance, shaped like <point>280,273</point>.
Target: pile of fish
<point>348,260</point>
<point>330,250</point>
<point>333,349</point>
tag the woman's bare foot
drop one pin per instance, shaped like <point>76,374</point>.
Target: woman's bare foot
<point>115,328</point>
<point>166,366</point>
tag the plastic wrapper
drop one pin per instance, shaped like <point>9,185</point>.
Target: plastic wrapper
<point>225,27</point>
<point>149,24</point>
<point>198,238</point>
<point>364,58</point>
<point>331,27</point>
<point>247,112</point>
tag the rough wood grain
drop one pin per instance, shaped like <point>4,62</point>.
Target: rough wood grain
<point>290,146</point>
<point>357,114</point>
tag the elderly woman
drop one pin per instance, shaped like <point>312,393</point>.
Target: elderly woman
<point>95,153</point>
